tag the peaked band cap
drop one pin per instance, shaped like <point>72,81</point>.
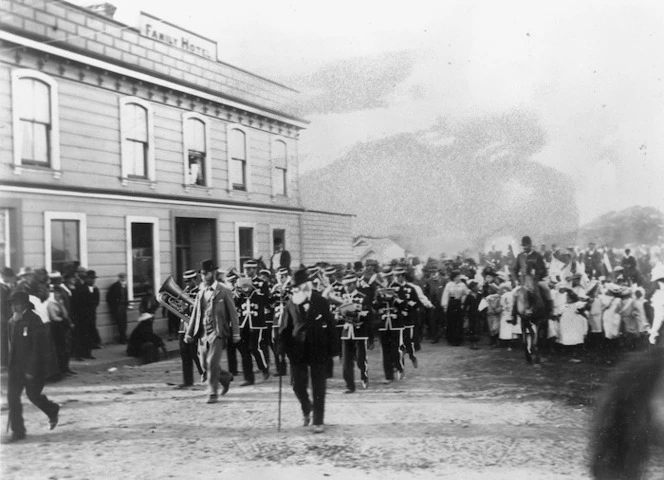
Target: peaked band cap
<point>399,271</point>
<point>350,278</point>
<point>282,271</point>
<point>313,269</point>
<point>330,271</point>
<point>250,264</point>
<point>189,274</point>
<point>265,271</point>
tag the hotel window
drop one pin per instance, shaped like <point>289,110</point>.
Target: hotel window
<point>66,240</point>
<point>196,161</point>
<point>238,159</point>
<point>245,239</point>
<point>5,238</point>
<point>137,140</point>
<point>143,267</point>
<point>35,119</point>
<point>280,161</point>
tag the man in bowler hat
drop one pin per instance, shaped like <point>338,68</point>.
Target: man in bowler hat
<point>214,323</point>
<point>29,364</point>
<point>308,336</point>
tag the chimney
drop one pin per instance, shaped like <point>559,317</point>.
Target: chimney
<point>105,9</point>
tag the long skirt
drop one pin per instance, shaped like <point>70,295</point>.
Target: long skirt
<point>454,322</point>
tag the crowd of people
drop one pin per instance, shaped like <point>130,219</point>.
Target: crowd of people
<point>539,299</point>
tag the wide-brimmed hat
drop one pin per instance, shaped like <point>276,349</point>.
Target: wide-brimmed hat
<point>145,316</point>
<point>399,271</point>
<point>299,277</point>
<point>208,266</point>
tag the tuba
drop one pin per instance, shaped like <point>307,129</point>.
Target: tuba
<point>174,299</point>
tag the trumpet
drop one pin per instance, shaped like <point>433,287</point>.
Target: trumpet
<point>174,299</point>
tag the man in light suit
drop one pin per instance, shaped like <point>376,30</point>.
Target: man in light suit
<point>213,323</point>
<point>308,336</point>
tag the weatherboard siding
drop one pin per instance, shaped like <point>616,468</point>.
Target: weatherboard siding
<point>326,238</point>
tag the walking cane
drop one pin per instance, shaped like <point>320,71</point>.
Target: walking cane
<point>279,409</point>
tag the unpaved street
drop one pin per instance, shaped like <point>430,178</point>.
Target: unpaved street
<point>462,414</point>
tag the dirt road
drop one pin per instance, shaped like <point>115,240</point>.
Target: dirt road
<point>462,414</point>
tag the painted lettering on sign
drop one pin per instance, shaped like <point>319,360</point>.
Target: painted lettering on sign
<point>164,32</point>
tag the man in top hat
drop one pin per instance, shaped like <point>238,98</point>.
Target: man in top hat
<point>355,332</point>
<point>213,324</point>
<point>657,302</point>
<point>118,301</point>
<point>28,365</point>
<point>84,314</point>
<point>250,307</point>
<point>281,258</point>
<point>592,260</point>
<point>529,262</point>
<point>6,286</point>
<point>307,335</point>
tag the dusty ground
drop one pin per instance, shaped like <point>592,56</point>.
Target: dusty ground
<point>462,414</point>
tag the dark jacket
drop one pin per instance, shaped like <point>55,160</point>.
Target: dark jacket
<point>117,297</point>
<point>308,336</point>
<point>85,303</point>
<point>531,264</point>
<point>29,347</point>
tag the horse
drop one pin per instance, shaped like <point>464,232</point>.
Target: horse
<point>532,304</point>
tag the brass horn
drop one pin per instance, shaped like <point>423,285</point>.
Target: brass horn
<point>174,299</point>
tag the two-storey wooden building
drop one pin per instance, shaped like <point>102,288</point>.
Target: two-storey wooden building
<point>135,149</point>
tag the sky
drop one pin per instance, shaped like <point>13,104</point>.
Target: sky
<point>590,72</point>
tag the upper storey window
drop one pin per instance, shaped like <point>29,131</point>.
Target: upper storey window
<point>238,159</point>
<point>280,161</point>
<point>196,156</point>
<point>137,140</point>
<point>35,119</point>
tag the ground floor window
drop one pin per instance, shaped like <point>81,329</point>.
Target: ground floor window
<point>142,255</point>
<point>5,238</point>
<point>65,241</point>
<point>246,244</point>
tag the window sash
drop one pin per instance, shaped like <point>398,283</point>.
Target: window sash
<point>238,174</point>
<point>142,254</point>
<point>34,100</point>
<point>246,244</point>
<point>137,161</point>
<point>35,142</point>
<point>65,244</point>
<point>196,166</point>
<point>279,154</point>
<point>196,135</point>
<point>136,118</point>
<point>280,181</point>
<point>238,144</point>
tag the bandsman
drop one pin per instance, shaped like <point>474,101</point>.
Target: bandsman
<point>279,296</point>
<point>390,329</point>
<point>406,302</point>
<point>251,313</point>
<point>355,333</point>
<point>188,353</point>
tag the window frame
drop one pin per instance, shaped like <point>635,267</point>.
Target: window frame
<point>275,168</point>
<point>254,242</point>
<point>156,264</point>
<point>247,160</point>
<point>49,216</point>
<point>53,147</point>
<point>124,151</point>
<point>186,117</point>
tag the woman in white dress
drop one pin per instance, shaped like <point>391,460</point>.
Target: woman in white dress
<point>573,325</point>
<point>507,318</point>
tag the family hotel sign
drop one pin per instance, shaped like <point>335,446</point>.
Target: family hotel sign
<point>162,31</point>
